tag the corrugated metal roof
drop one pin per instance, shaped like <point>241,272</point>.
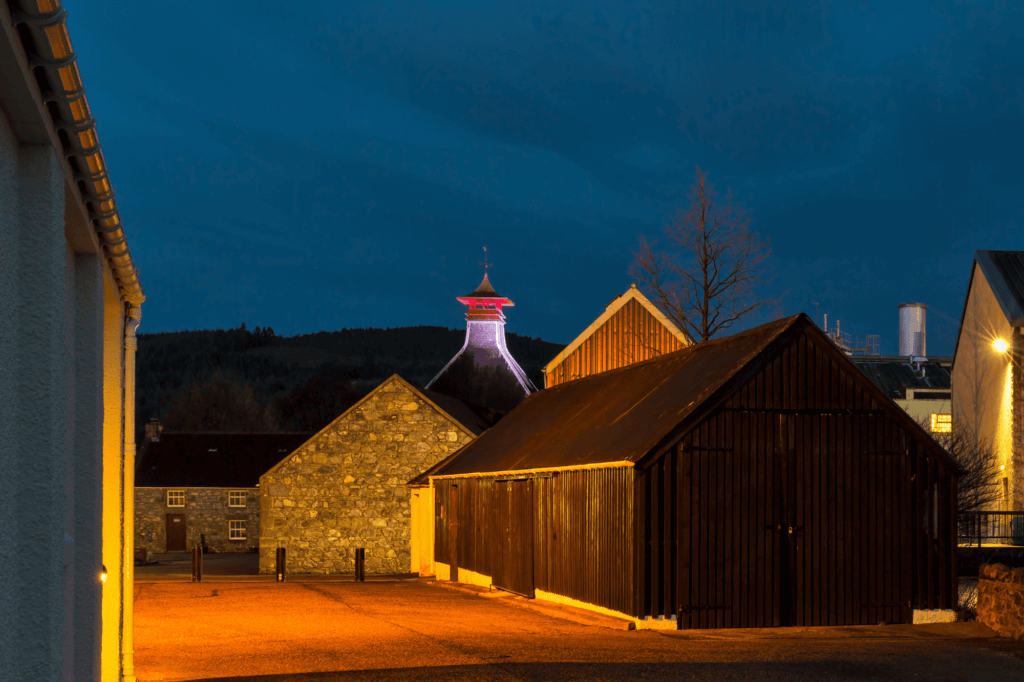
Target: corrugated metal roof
<point>216,460</point>
<point>1004,271</point>
<point>894,377</point>
<point>618,415</point>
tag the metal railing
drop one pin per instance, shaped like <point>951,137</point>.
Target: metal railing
<point>983,527</point>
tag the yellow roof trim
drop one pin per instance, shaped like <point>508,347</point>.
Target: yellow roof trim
<point>632,294</point>
<point>541,470</point>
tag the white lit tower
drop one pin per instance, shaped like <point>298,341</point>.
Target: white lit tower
<point>484,373</point>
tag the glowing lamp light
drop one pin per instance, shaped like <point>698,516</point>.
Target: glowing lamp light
<point>1000,345</point>
<point>103,575</point>
<point>1002,467</point>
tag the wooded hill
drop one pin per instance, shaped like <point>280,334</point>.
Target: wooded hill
<point>253,380</point>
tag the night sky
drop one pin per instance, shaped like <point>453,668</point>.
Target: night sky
<point>315,166</point>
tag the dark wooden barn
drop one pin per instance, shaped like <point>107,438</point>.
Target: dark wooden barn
<point>755,480</point>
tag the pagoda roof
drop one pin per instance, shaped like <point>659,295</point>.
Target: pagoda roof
<point>485,290</point>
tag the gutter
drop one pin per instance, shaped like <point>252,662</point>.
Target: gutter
<point>54,66</point>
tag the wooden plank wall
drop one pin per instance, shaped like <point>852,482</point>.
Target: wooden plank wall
<point>801,501</point>
<point>581,536</point>
<point>631,335</point>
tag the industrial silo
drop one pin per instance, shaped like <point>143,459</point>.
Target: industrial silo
<point>912,318</point>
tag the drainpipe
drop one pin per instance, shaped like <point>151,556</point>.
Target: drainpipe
<point>131,344</point>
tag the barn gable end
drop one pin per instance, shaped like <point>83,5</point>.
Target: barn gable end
<point>344,488</point>
<point>810,487</point>
<point>630,330</point>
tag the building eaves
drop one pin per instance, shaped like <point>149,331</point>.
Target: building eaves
<point>1004,271</point>
<point>57,84</point>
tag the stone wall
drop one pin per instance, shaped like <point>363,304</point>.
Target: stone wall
<point>206,513</point>
<point>345,488</point>
<point>1001,599</point>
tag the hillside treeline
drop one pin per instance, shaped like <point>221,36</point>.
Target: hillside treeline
<point>253,380</point>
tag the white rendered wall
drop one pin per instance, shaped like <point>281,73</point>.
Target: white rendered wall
<point>86,522</point>
<point>51,416</point>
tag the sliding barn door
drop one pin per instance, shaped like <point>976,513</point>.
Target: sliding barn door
<point>514,526</point>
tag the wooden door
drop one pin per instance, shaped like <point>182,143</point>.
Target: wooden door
<point>514,507</point>
<point>176,533</point>
<point>709,527</point>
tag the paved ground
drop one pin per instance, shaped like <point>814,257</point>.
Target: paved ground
<point>180,564</point>
<point>410,630</point>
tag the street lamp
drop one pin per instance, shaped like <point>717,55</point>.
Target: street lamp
<point>1000,346</point>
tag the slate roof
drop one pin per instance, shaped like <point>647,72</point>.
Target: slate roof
<point>483,379</point>
<point>214,460</point>
<point>475,419</point>
<point>894,375</point>
<point>1004,271</point>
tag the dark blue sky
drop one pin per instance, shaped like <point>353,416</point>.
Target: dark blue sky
<point>314,166</point>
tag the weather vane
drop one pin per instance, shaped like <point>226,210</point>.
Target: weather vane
<point>485,263</point>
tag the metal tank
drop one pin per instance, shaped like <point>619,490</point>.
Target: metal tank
<point>912,323</point>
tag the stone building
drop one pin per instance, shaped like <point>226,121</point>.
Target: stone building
<point>201,488</point>
<point>70,302</point>
<point>345,487</point>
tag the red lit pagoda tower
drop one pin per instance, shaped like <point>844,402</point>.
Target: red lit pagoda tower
<point>484,373</point>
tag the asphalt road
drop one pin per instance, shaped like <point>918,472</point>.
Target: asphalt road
<point>410,630</point>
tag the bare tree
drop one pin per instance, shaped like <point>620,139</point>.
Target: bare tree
<point>710,281</point>
<point>978,488</point>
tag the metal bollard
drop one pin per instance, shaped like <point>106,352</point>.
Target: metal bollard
<point>280,565</point>
<point>197,564</point>
<point>360,565</point>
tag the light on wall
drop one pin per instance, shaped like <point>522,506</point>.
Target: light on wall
<point>1000,345</point>
<point>103,575</point>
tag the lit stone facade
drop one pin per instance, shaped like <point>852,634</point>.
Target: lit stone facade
<point>345,488</point>
<point>206,512</point>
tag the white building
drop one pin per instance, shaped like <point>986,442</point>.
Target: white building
<point>69,306</point>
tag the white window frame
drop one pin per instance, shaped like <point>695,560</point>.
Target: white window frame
<point>236,529</point>
<point>944,425</point>
<point>176,494</point>
<point>233,496</point>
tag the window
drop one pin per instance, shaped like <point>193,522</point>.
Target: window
<point>942,423</point>
<point>175,498</point>
<point>236,530</point>
<point>236,498</point>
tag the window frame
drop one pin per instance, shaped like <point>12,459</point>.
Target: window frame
<point>176,493</point>
<point>941,422</point>
<point>234,493</point>
<point>232,530</point>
